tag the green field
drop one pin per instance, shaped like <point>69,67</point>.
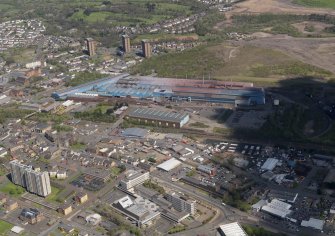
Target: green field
<point>223,61</point>
<point>165,37</point>
<point>5,227</point>
<point>54,196</point>
<point>12,189</point>
<point>316,3</point>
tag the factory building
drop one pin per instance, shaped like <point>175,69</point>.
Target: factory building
<point>160,89</point>
<point>34,181</point>
<point>133,179</point>
<point>181,203</point>
<point>125,43</point>
<point>158,117</point>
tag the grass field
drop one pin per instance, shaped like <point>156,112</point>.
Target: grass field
<point>223,61</point>
<point>54,196</point>
<point>4,227</point>
<point>12,189</point>
<point>317,3</point>
<point>165,37</point>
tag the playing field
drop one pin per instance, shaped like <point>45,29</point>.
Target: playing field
<point>316,3</point>
<point>4,227</point>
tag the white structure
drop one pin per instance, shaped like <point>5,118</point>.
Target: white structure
<point>3,152</point>
<point>134,178</point>
<point>231,229</point>
<point>277,208</point>
<point>270,164</point>
<point>181,203</point>
<point>34,181</point>
<point>61,175</point>
<point>141,210</point>
<point>33,65</point>
<point>93,219</point>
<point>17,230</point>
<point>258,206</point>
<point>169,164</point>
<point>313,223</point>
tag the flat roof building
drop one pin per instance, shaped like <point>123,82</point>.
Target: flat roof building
<point>231,229</point>
<point>162,118</point>
<point>141,210</point>
<point>169,164</point>
<point>207,169</point>
<point>270,164</point>
<point>181,203</point>
<point>146,48</point>
<point>313,223</point>
<point>134,178</point>
<point>277,208</point>
<point>126,43</point>
<point>91,44</point>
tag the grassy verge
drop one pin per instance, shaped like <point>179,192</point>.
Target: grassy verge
<point>259,231</point>
<point>4,227</point>
<point>54,196</point>
<point>177,229</point>
<point>12,189</point>
<point>198,125</point>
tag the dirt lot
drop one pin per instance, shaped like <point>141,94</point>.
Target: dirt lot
<point>276,6</point>
<point>317,27</point>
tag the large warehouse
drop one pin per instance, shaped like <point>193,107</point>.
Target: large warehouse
<point>142,87</point>
<point>158,117</point>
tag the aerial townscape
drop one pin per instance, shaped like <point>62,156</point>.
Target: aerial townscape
<point>167,117</point>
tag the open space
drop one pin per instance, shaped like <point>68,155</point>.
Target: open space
<point>4,227</point>
<point>316,3</point>
<point>12,189</point>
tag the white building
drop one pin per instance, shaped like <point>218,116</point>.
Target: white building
<point>270,164</point>
<point>180,203</point>
<point>134,178</point>
<point>231,229</point>
<point>169,164</point>
<point>277,208</point>
<point>313,223</point>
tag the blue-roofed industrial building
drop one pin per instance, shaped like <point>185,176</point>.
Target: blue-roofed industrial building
<point>152,88</point>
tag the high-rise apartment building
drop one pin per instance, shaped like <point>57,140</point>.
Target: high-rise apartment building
<point>126,43</point>
<point>90,44</point>
<point>17,173</point>
<point>180,203</point>
<point>146,48</point>
<point>34,181</point>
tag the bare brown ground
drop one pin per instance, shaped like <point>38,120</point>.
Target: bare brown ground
<point>276,6</point>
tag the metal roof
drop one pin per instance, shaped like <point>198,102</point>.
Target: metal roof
<point>154,114</point>
<point>169,164</point>
<point>232,229</point>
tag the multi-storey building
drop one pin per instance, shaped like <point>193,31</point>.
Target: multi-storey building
<point>181,203</point>
<point>90,44</point>
<point>134,178</point>
<point>34,181</point>
<point>126,43</point>
<point>146,48</point>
